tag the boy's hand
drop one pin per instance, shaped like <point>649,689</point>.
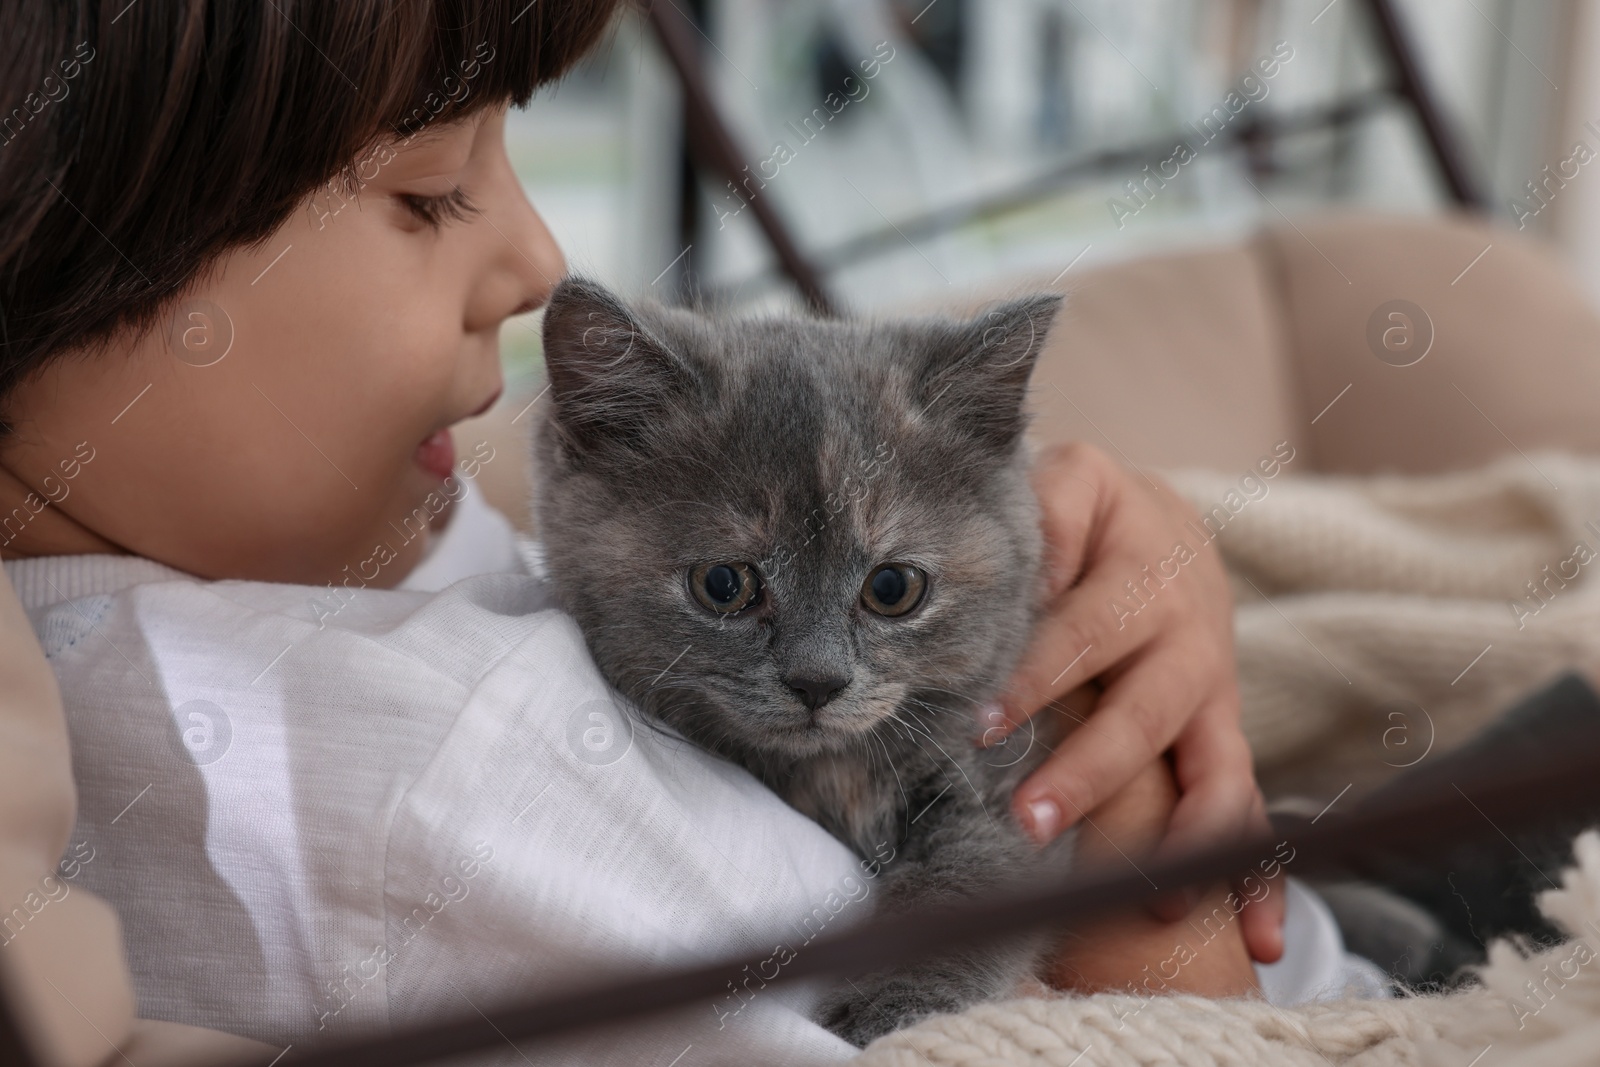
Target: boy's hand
<point>1165,658</point>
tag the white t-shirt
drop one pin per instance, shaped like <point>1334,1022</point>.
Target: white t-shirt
<point>321,811</point>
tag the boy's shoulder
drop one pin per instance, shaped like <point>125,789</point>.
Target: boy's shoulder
<point>96,605</point>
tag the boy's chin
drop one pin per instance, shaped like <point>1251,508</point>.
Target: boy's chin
<point>393,542</point>
<point>425,497</point>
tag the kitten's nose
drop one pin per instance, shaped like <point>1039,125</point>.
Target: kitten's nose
<point>816,691</point>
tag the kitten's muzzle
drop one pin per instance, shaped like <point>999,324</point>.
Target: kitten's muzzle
<point>815,691</point>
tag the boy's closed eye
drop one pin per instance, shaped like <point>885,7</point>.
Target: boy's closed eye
<point>435,211</point>
<point>426,176</point>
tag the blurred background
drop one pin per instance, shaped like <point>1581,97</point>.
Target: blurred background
<point>968,140</point>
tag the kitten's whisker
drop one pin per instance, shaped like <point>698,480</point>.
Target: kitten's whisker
<point>939,689</point>
<point>925,707</point>
<point>962,771</point>
<point>914,716</point>
<point>906,728</point>
<point>894,717</point>
<point>887,758</point>
<point>914,730</point>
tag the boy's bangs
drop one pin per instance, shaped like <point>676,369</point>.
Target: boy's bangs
<point>156,137</point>
<point>445,59</point>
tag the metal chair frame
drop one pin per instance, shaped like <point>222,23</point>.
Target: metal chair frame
<point>710,148</point>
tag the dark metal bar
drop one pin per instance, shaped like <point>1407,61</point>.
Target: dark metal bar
<point>1458,175</point>
<point>1488,799</point>
<point>681,280</point>
<point>710,136</point>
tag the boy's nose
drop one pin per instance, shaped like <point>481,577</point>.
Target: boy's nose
<point>539,264</point>
<point>526,260</point>
<point>521,264</point>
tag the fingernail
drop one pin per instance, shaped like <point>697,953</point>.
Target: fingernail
<point>1042,820</point>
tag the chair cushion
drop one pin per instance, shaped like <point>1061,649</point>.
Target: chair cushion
<point>1515,357</point>
<point>1175,360</point>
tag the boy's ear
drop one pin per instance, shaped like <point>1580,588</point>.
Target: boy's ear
<point>611,377</point>
<point>976,374</point>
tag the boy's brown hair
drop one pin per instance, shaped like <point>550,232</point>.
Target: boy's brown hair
<point>140,141</point>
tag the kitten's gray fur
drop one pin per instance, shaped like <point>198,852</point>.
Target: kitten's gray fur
<point>814,451</point>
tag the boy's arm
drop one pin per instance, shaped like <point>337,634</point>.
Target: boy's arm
<point>61,966</point>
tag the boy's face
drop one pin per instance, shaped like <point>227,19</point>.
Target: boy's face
<point>359,334</point>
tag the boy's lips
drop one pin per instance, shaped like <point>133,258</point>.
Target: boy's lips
<point>437,454</point>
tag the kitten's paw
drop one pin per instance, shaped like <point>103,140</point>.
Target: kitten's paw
<point>854,1021</point>
<point>877,1004</point>
<point>863,1014</point>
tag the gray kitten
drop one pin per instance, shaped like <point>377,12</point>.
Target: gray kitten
<point>811,548</point>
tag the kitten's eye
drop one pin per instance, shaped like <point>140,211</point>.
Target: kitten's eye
<point>725,587</point>
<point>893,589</point>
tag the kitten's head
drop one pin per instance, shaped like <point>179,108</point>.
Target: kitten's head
<point>777,535</point>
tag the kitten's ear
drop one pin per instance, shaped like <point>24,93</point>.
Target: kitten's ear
<point>976,375</point>
<point>610,376</point>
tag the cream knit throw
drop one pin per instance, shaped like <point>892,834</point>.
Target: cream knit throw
<point>1404,612</point>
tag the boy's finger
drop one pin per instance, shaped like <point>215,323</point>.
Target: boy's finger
<point>1072,503</point>
<point>1261,922</point>
<point>1137,718</point>
<point>1218,795</point>
<point>1263,919</point>
<point>1077,641</point>
<point>1216,777</point>
<point>1224,804</point>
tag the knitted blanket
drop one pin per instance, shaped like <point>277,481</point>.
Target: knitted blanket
<point>1380,620</point>
<point>1383,618</point>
